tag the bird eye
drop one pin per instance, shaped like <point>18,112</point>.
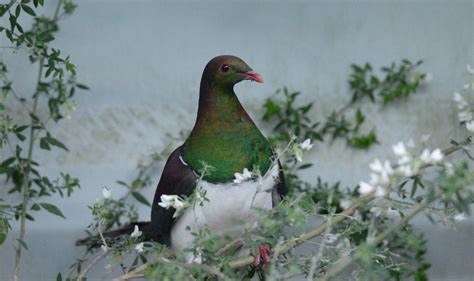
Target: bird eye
<point>225,68</point>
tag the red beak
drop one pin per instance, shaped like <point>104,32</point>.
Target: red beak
<point>253,76</point>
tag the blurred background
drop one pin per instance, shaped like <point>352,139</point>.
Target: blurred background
<point>142,61</point>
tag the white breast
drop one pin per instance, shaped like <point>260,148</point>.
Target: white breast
<point>230,206</point>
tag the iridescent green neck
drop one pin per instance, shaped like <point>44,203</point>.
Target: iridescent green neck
<point>225,137</point>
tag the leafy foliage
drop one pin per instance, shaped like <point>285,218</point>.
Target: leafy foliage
<point>285,115</point>
<point>54,90</point>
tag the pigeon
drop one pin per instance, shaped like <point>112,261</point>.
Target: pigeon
<point>226,156</point>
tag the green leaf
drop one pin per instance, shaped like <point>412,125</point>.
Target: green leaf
<point>52,209</point>
<point>82,86</point>
<point>45,36</point>
<point>59,277</point>
<point>44,144</point>
<point>8,162</point>
<point>56,142</point>
<point>20,136</point>
<point>305,166</point>
<point>35,207</point>
<point>17,11</point>
<point>4,227</point>
<point>414,187</point>
<point>21,128</point>
<point>123,183</point>
<point>28,10</point>
<point>2,106</point>
<point>360,118</point>
<point>140,198</point>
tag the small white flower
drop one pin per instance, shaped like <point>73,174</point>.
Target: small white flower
<point>460,101</point>
<point>404,160</point>
<point>174,201</point>
<point>374,179</point>
<point>381,172</point>
<point>425,156</point>
<point>436,156</point>
<point>247,174</point>
<point>168,201</point>
<point>306,145</point>
<point>387,167</point>
<point>376,166</point>
<point>464,116</point>
<point>139,247</point>
<point>67,108</point>
<point>460,217</point>
<point>365,188</point>
<point>104,248</point>
<point>106,192</point>
<point>466,86</point>
<point>410,143</point>
<point>406,170</point>
<point>399,149</point>
<point>241,177</point>
<point>470,126</point>
<point>469,69</point>
<point>136,232</point>
<point>383,178</point>
<point>178,204</point>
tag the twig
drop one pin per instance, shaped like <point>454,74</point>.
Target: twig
<point>315,259</point>
<point>161,259</point>
<point>91,265</point>
<point>80,259</point>
<point>234,244</point>
<point>271,274</point>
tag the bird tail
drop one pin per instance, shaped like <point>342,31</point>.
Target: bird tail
<point>95,241</point>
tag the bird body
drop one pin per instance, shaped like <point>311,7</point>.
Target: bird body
<point>225,138</point>
<point>231,207</point>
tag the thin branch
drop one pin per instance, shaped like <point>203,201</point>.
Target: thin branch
<point>80,259</point>
<point>26,178</point>
<point>91,265</point>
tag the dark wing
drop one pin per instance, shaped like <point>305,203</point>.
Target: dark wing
<point>176,179</point>
<point>280,190</point>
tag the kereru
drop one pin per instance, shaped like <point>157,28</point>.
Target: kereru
<point>225,138</point>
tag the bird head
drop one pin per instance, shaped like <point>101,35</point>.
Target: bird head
<point>226,71</point>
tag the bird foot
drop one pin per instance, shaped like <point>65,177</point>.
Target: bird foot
<point>263,256</point>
